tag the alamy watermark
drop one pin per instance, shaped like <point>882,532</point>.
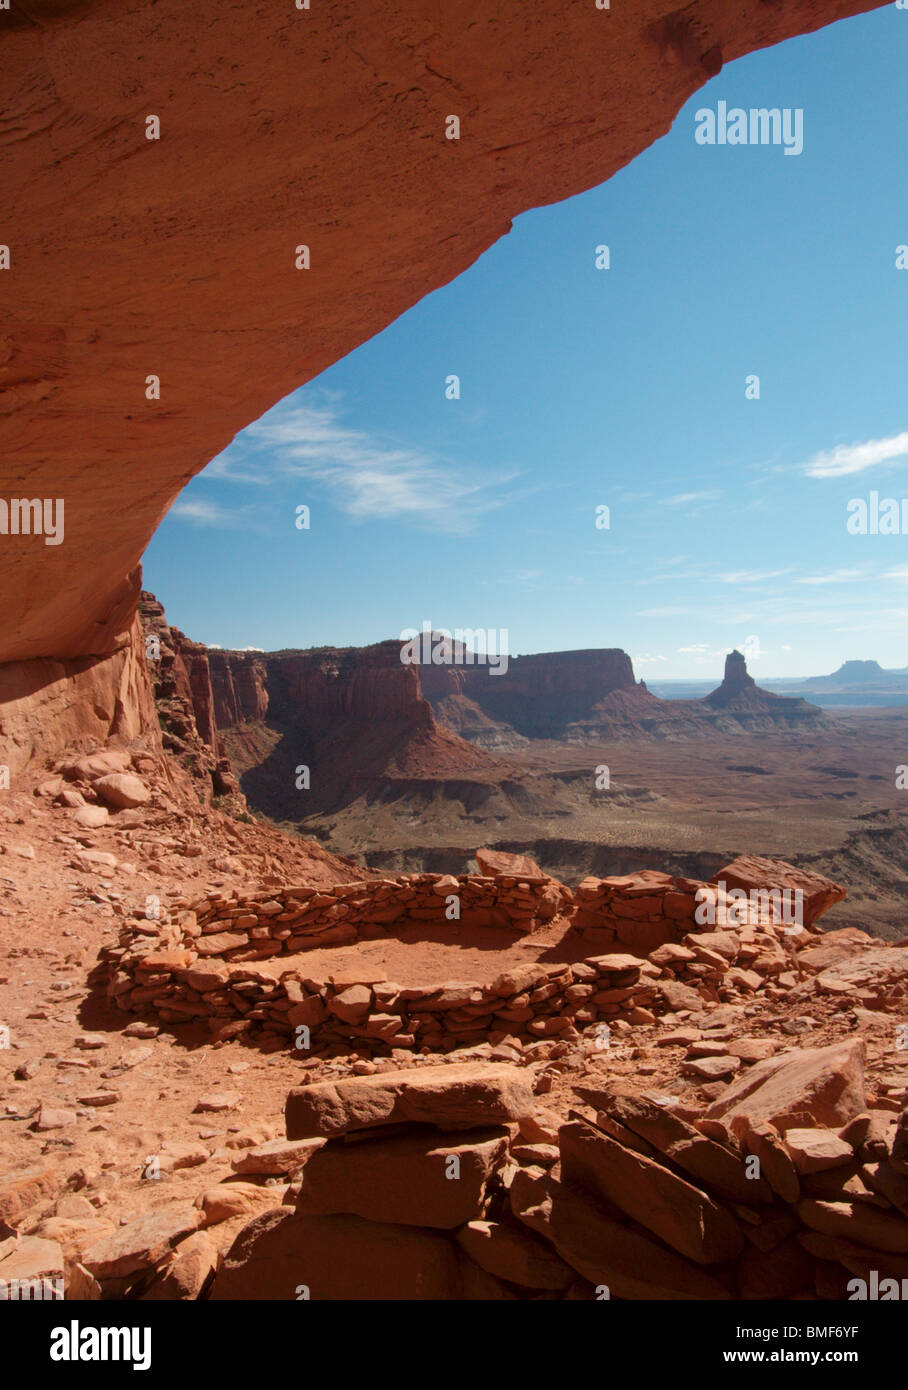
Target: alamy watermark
<point>35,517</point>
<point>42,1288</point>
<point>760,125</point>
<point>720,906</point>
<point>873,516</point>
<point>874,1289</point>
<point>465,646</point>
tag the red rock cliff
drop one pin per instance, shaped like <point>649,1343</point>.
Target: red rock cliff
<point>366,683</point>
<point>538,695</point>
<point>239,686</point>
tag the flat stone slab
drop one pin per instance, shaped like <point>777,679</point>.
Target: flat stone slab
<point>277,1156</point>
<point>682,1215</point>
<point>141,1244</point>
<point>467,1096</point>
<point>801,1089</point>
<point>31,1270</point>
<point>605,1251</point>
<point>512,1253</point>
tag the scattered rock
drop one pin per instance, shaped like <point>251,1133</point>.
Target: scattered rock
<point>122,789</point>
<point>815,1150</point>
<point>217,1102</point>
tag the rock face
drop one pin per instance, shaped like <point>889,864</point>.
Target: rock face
<point>239,687</point>
<point>180,672</point>
<point>355,716</point>
<point>48,706</point>
<point>402,1179</point>
<point>265,153</point>
<point>285,1256</point>
<point>547,695</point>
<point>366,722</point>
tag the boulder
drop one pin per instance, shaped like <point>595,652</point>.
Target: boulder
<point>465,1096</point>
<point>752,873</point>
<point>606,1252</point>
<point>801,1089</point>
<point>416,1179</point>
<point>815,1150</point>
<point>858,1222</point>
<point>140,1244</point>
<point>187,1272</point>
<point>710,1164</point>
<point>122,789</point>
<point>512,1253</point>
<point>352,1003</point>
<point>284,1256</point>
<point>94,765</point>
<point>277,1156</point>
<point>229,1199</point>
<point>494,862</point>
<point>763,1141</point>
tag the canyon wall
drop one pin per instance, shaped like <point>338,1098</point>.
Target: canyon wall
<point>239,686</point>
<point>538,696</point>
<point>180,676</point>
<point>50,706</point>
<point>361,721</point>
<point>133,259</point>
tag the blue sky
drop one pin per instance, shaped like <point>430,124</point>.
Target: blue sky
<point>622,388</point>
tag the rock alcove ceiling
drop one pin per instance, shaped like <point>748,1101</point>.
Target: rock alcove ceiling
<point>175,257</point>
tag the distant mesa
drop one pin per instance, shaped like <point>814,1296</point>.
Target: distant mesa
<point>861,677</point>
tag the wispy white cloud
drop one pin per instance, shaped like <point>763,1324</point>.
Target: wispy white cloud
<point>366,477</point>
<point>752,576</point>
<point>840,576</point>
<point>197,511</point>
<point>684,499</point>
<point>855,458</point>
<point>695,650</point>
<point>647,660</point>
